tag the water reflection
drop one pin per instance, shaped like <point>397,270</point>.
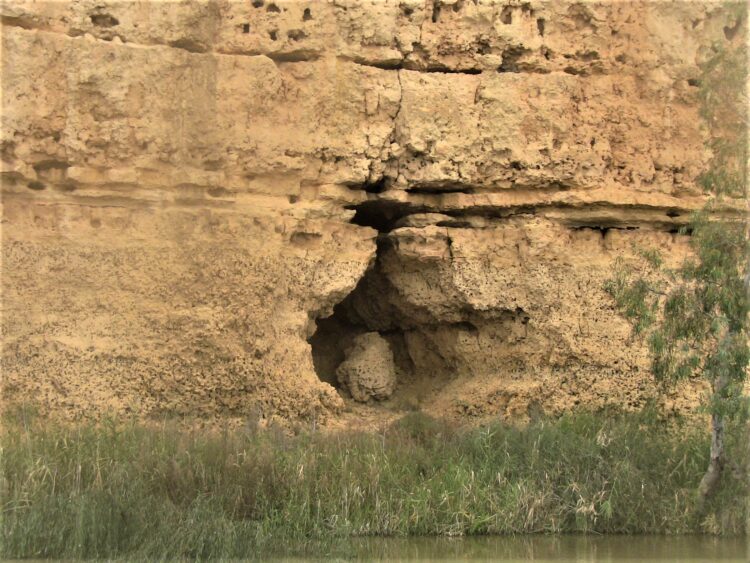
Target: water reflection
<point>558,549</point>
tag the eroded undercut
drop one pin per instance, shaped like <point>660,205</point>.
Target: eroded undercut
<point>461,298</point>
<point>360,349</point>
<point>406,331</point>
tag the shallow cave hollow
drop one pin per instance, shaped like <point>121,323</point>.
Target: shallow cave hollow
<point>365,309</point>
<point>334,334</point>
<point>423,347</point>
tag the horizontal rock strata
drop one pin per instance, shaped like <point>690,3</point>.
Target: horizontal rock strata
<point>205,202</point>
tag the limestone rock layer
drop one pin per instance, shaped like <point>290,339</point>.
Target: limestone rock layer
<point>206,203</point>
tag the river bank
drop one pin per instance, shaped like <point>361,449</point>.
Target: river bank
<point>129,489</point>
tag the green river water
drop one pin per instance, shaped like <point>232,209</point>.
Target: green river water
<point>578,549</point>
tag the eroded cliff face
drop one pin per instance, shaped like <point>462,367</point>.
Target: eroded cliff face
<point>206,203</point>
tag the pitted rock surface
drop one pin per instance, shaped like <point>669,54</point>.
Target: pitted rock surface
<point>368,372</point>
<point>206,203</point>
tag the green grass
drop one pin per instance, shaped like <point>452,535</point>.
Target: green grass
<point>124,489</point>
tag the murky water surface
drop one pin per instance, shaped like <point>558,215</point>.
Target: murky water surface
<point>578,549</point>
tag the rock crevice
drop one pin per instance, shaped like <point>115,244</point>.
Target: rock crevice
<point>209,206</point>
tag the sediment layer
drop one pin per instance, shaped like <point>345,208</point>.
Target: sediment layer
<point>205,202</point>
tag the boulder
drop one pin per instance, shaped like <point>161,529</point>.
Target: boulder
<point>368,372</point>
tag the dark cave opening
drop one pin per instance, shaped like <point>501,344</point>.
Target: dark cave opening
<point>382,215</point>
<point>365,314</point>
<point>371,214</point>
<point>422,344</point>
<point>332,336</point>
<point>364,310</point>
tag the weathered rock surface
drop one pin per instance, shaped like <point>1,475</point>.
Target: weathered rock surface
<point>368,372</point>
<point>191,190</point>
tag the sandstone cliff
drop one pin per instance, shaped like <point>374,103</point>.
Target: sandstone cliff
<point>206,203</point>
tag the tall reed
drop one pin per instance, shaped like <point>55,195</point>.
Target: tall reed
<point>126,489</point>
